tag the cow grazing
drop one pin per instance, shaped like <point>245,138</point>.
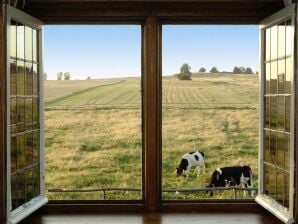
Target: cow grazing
<point>189,160</point>
<point>232,176</point>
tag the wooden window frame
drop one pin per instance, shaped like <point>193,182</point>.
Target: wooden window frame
<point>151,76</point>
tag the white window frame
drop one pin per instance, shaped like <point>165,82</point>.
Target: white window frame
<point>268,203</point>
<point>28,208</point>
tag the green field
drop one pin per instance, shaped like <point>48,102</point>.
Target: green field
<point>93,132</point>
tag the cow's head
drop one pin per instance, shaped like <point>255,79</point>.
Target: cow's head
<point>179,171</point>
<point>182,166</point>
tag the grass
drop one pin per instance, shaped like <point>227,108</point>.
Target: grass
<point>93,134</point>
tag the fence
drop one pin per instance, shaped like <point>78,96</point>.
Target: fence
<point>191,190</point>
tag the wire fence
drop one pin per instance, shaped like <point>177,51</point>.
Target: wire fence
<point>235,189</point>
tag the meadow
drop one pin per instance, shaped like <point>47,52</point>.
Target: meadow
<point>93,132</point>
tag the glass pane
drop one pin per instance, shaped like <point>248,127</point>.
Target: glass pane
<point>21,78</point>
<point>289,38</point>
<point>35,146</point>
<point>273,145</point>
<point>28,43</point>
<point>289,75</point>
<point>286,189</point>
<point>270,181</point>
<point>287,152</point>
<point>29,149</point>
<point>21,151</point>
<point>36,181</point>
<point>267,112</point>
<point>273,78</point>
<point>35,46</point>
<point>13,154</point>
<point>29,79</point>
<point>268,45</point>
<point>35,112</point>
<point>20,41</point>
<point>13,39</point>
<point>29,115</point>
<point>21,188</point>
<point>281,76</point>
<point>267,73</point>
<point>280,186</point>
<point>281,113</point>
<point>273,112</point>
<point>21,113</point>
<point>281,40</point>
<point>14,191</point>
<point>13,110</point>
<point>29,184</point>
<point>288,113</point>
<point>267,146</point>
<point>274,43</point>
<point>35,79</point>
<point>281,150</point>
<point>13,77</point>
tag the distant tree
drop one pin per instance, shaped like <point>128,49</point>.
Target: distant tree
<point>202,69</point>
<point>214,70</point>
<point>88,78</point>
<point>249,71</point>
<point>45,76</point>
<point>66,76</point>
<point>242,70</point>
<point>59,75</point>
<point>236,70</point>
<point>257,73</point>
<point>185,73</point>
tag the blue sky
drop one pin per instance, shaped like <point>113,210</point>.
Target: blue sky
<point>114,51</point>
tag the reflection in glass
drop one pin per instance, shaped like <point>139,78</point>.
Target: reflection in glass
<point>270,181</point>
<point>13,77</point>
<point>14,191</point>
<point>35,113</point>
<point>281,150</point>
<point>35,80</point>
<point>289,37</point>
<point>13,39</point>
<point>21,151</point>
<point>13,110</point>
<point>281,40</point>
<point>29,149</point>
<point>287,152</point>
<point>20,41</point>
<point>21,113</point>
<point>21,188</point>
<point>288,113</point>
<point>273,112</point>
<point>281,76</point>
<point>29,185</point>
<point>274,43</point>
<point>267,146</point>
<point>273,145</point>
<point>35,146</point>
<point>287,189</point>
<point>34,46</point>
<point>13,154</point>
<point>273,78</point>
<point>36,183</point>
<point>29,79</point>
<point>267,38</point>
<point>280,186</point>
<point>21,78</point>
<point>267,74</point>
<point>267,112</point>
<point>28,43</point>
<point>29,115</point>
<point>289,74</point>
<point>281,113</point>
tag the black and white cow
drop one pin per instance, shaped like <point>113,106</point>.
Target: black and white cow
<point>189,160</point>
<point>232,176</point>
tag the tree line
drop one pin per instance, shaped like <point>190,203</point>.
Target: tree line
<point>63,76</point>
<point>185,73</point>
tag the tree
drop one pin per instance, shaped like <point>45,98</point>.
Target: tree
<point>185,73</point>
<point>202,69</point>
<point>45,76</point>
<point>249,71</point>
<point>214,70</point>
<point>88,78</point>
<point>242,70</point>
<point>236,70</point>
<point>66,76</point>
<point>59,75</point>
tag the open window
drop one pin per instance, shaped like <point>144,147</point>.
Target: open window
<point>277,99</point>
<point>25,145</point>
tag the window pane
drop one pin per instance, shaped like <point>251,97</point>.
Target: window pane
<point>287,152</point>
<point>280,186</point>
<point>270,181</point>
<point>281,113</point>
<point>13,77</point>
<point>28,43</point>
<point>14,191</point>
<point>36,146</point>
<point>35,49</point>
<point>273,145</point>
<point>281,150</point>
<point>35,80</point>
<point>13,153</point>
<point>21,113</point>
<point>281,76</point>
<point>274,43</point>
<point>287,189</point>
<point>267,73</point>
<point>29,149</point>
<point>35,112</point>
<point>29,184</point>
<point>13,39</point>
<point>21,78</point>
<point>20,41</point>
<point>273,112</point>
<point>21,151</point>
<point>21,188</point>
<point>29,115</point>
<point>267,112</point>
<point>281,40</point>
<point>289,34</point>
<point>267,146</point>
<point>29,78</point>
<point>288,113</point>
<point>36,181</point>
<point>289,75</point>
<point>273,78</point>
<point>13,110</point>
<point>268,44</point>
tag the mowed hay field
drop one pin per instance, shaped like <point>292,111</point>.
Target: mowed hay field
<point>93,134</point>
